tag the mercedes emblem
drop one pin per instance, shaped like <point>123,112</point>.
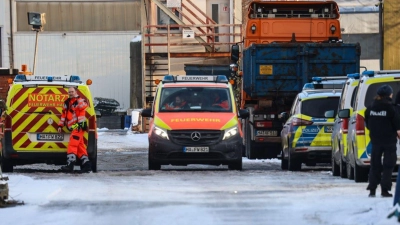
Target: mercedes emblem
<point>195,136</point>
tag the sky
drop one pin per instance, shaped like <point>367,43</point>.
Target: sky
<point>47,197</point>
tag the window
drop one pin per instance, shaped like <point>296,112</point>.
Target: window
<point>164,19</point>
<point>317,107</point>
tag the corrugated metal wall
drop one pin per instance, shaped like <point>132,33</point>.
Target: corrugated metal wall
<point>82,16</point>
<point>102,57</point>
<point>391,27</point>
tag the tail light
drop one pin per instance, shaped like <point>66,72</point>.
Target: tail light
<point>345,125</point>
<point>360,127</point>
<point>301,122</point>
<point>264,124</point>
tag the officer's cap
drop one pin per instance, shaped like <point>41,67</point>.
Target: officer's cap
<point>385,90</point>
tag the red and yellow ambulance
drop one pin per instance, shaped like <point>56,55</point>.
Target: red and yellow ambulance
<point>195,120</point>
<point>33,109</point>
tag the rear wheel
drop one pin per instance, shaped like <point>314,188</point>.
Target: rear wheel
<point>360,173</point>
<point>93,160</point>
<point>349,171</point>
<point>294,163</point>
<point>284,162</point>
<point>250,150</point>
<point>342,168</point>
<point>335,167</point>
<point>6,165</point>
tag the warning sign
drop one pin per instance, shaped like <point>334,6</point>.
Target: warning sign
<point>187,34</point>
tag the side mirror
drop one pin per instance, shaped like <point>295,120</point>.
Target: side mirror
<point>235,53</point>
<point>98,113</point>
<point>330,114</point>
<point>243,113</point>
<point>283,116</point>
<point>147,112</point>
<point>344,113</point>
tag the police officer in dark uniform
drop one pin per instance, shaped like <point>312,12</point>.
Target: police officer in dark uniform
<point>383,123</point>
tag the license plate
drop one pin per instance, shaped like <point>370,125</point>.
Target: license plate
<point>195,149</point>
<point>328,129</point>
<point>50,137</point>
<point>266,133</point>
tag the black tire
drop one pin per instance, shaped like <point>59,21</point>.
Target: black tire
<point>335,167</point>
<point>294,163</point>
<point>6,165</point>
<point>360,174</point>
<point>153,165</point>
<point>243,151</point>
<point>349,171</point>
<point>93,159</point>
<point>342,168</point>
<point>236,165</point>
<point>250,151</point>
<point>284,162</point>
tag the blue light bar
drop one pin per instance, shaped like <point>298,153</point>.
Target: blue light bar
<point>308,86</point>
<point>317,79</point>
<point>222,79</point>
<point>74,78</point>
<point>50,79</point>
<point>168,78</point>
<point>20,78</point>
<point>354,75</point>
<point>369,73</point>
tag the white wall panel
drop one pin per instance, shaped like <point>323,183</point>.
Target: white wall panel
<point>102,57</point>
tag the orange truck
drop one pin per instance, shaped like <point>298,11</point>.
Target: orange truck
<point>285,44</point>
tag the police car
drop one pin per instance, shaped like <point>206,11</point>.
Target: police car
<point>201,128</point>
<point>33,109</point>
<point>306,135</point>
<point>358,140</point>
<point>340,127</point>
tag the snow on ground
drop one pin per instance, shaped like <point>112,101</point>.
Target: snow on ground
<point>136,197</point>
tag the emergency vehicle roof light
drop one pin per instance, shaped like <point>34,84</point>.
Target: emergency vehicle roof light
<point>354,75</point>
<point>369,73</point>
<point>221,79</point>
<point>75,78</point>
<point>168,78</point>
<point>308,86</point>
<point>50,79</point>
<point>317,79</point>
<point>20,78</point>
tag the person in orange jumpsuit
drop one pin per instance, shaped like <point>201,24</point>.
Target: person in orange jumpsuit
<point>73,117</point>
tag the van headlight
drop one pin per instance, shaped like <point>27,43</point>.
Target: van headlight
<point>161,132</point>
<point>230,132</point>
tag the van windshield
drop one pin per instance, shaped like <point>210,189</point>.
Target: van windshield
<point>317,107</point>
<point>195,99</point>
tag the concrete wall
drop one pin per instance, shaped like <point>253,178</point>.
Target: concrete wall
<point>102,57</point>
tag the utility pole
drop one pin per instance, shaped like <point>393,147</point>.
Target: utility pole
<point>37,20</point>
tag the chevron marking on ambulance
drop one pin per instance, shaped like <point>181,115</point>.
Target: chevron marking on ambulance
<point>24,121</point>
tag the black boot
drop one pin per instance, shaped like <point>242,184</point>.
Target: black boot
<point>371,193</point>
<point>385,193</point>
<point>86,166</point>
<point>71,160</point>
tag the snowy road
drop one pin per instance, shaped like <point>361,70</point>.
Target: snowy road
<point>125,192</point>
